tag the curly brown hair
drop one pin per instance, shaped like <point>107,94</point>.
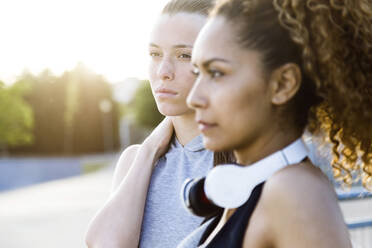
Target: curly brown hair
<point>331,41</point>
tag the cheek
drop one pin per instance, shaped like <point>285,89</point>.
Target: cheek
<point>241,105</point>
<point>185,78</point>
<point>152,68</point>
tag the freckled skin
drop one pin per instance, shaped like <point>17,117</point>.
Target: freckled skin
<point>170,49</point>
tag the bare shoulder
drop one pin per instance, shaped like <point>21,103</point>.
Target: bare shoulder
<point>303,209</point>
<point>300,182</point>
<point>123,165</point>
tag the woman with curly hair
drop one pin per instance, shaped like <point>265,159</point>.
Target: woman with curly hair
<point>267,70</point>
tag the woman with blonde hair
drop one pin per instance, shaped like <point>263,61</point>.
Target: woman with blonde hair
<point>144,209</point>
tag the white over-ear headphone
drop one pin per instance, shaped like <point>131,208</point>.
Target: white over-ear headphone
<point>230,185</point>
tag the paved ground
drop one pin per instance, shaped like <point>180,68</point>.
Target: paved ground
<point>53,214</point>
<point>17,172</point>
<point>22,172</point>
<point>56,214</point>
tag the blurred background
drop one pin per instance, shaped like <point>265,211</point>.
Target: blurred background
<point>73,94</point>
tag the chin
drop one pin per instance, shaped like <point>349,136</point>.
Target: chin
<point>168,113</point>
<point>172,110</point>
<point>216,145</point>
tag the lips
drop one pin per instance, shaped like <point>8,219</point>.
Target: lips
<point>163,90</point>
<point>162,93</point>
<point>205,126</point>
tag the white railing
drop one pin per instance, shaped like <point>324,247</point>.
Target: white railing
<point>361,234</point>
<point>360,230</point>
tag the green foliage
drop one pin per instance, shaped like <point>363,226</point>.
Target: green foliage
<point>16,116</point>
<point>67,117</point>
<point>144,107</point>
<point>46,98</point>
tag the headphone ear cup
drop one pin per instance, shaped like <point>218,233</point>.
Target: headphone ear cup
<point>200,205</point>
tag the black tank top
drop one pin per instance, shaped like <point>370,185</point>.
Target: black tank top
<point>232,233</point>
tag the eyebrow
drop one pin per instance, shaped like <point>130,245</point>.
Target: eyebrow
<point>153,45</point>
<point>183,46</point>
<point>175,46</point>
<point>209,61</point>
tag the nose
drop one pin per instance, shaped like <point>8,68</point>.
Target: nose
<point>197,98</point>
<point>166,70</point>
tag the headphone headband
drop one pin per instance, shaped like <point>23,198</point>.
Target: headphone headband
<point>230,185</point>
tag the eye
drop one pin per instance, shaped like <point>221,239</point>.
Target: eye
<point>215,73</point>
<point>154,54</point>
<point>184,56</point>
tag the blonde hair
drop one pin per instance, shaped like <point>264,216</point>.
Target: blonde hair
<point>201,7</point>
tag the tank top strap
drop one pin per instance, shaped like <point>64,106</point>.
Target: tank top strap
<point>232,233</point>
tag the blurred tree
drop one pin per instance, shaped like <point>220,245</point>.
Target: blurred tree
<point>143,107</point>
<point>91,125</point>
<point>16,118</point>
<point>71,106</point>
<point>67,117</point>
<point>47,101</point>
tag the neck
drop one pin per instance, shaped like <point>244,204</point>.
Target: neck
<point>185,127</point>
<point>265,145</point>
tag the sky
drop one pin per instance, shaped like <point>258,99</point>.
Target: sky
<point>109,37</point>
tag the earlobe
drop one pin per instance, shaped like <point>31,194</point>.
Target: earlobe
<point>285,81</point>
<point>277,100</point>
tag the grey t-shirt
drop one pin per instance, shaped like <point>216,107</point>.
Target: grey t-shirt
<point>166,222</point>
<point>193,239</point>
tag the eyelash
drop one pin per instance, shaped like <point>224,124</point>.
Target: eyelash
<point>184,56</point>
<point>154,54</point>
<point>212,73</point>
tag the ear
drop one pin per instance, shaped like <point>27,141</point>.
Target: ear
<point>284,83</point>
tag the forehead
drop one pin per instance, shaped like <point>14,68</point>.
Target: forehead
<point>175,29</point>
<point>217,39</point>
